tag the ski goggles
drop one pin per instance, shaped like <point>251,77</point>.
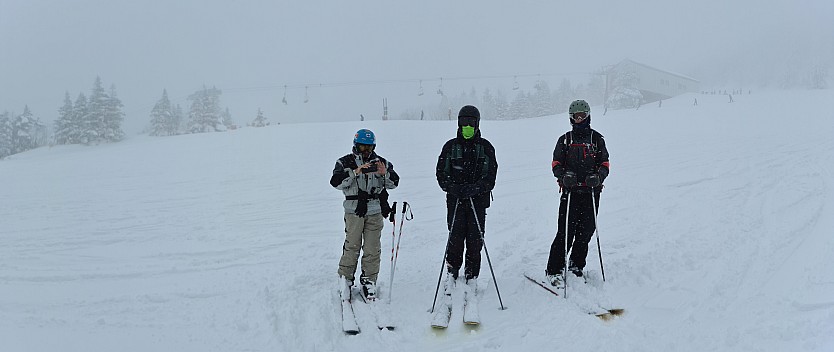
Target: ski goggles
<point>468,121</point>
<point>365,147</point>
<point>579,116</point>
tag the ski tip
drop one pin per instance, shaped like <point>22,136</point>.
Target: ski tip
<point>604,316</point>
<point>617,311</point>
<point>351,332</point>
<point>610,314</point>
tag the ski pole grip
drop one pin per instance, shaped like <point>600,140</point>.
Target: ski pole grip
<point>393,212</point>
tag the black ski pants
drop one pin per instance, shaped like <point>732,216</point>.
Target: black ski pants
<point>581,229</point>
<point>464,234</point>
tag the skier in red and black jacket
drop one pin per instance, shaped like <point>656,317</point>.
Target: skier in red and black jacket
<point>580,163</point>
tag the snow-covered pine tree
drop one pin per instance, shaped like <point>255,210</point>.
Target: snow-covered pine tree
<point>24,128</point>
<point>818,76</point>
<point>563,96</point>
<point>113,117</point>
<point>494,105</point>
<point>5,134</point>
<point>541,100</point>
<point>624,92</point>
<point>501,106</point>
<point>178,120</point>
<point>444,107</point>
<point>162,117</point>
<point>94,125</point>
<point>520,108</point>
<point>260,120</point>
<point>65,123</point>
<point>487,107</point>
<point>77,133</point>
<point>204,115</point>
<point>472,98</point>
<point>227,119</point>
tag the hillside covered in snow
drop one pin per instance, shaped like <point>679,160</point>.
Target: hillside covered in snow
<point>715,227</point>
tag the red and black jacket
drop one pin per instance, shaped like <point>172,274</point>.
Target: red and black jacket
<point>583,152</point>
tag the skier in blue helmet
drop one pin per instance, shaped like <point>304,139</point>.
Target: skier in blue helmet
<point>364,177</point>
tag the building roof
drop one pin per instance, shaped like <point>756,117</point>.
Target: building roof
<point>657,69</point>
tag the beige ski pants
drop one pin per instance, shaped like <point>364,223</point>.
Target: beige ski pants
<point>361,233</point>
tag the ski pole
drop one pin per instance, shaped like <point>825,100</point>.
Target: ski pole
<point>396,255</point>
<point>478,222</point>
<point>393,228</point>
<point>403,219</point>
<point>451,225</point>
<point>596,228</point>
<point>567,222</point>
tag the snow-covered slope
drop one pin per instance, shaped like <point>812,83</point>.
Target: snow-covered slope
<point>715,224</point>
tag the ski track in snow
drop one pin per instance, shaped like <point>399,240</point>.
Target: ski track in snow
<point>715,227</point>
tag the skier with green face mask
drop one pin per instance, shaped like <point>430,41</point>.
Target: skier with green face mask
<point>466,170</point>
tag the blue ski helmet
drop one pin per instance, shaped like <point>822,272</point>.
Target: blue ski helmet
<point>364,136</point>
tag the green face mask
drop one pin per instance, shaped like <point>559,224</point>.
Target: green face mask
<point>467,131</point>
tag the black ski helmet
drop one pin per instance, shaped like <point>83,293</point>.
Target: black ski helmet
<point>470,112</point>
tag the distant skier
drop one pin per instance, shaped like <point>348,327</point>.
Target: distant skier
<point>466,170</point>
<point>580,163</point>
<point>363,176</point>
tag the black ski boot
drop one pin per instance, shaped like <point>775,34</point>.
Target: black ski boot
<point>368,289</point>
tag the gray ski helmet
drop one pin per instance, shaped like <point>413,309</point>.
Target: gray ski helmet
<point>579,106</point>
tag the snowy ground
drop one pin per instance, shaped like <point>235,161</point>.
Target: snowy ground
<point>716,230</point>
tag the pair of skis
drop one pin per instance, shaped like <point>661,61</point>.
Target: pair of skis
<point>380,311</point>
<point>349,324</point>
<point>377,309</point>
<point>604,314</point>
<point>471,315</point>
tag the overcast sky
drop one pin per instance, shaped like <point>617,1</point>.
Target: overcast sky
<point>251,49</point>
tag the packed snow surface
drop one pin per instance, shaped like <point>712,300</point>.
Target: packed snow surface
<point>716,228</point>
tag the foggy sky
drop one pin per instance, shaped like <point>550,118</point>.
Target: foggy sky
<point>251,49</point>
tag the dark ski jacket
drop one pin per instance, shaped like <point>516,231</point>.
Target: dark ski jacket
<point>365,194</point>
<point>467,161</point>
<point>582,151</point>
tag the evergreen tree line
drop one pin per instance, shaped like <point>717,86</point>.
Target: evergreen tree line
<point>19,133</point>
<point>204,115</point>
<point>90,120</point>
<point>494,104</point>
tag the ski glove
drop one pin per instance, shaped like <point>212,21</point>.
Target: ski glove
<point>593,180</point>
<point>569,180</point>
<point>453,190</point>
<point>469,190</point>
